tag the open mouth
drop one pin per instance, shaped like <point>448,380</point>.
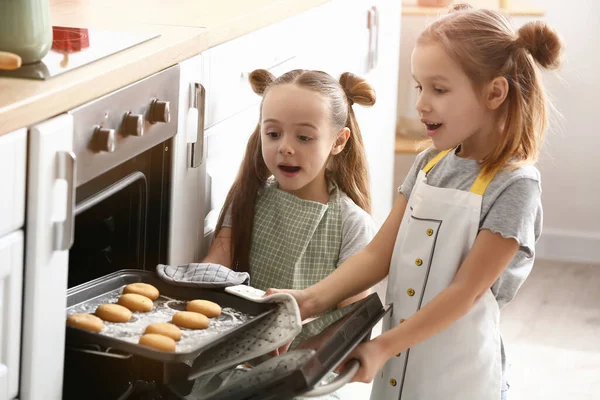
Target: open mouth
<point>432,127</point>
<point>289,170</point>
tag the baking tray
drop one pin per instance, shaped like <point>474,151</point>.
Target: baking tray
<point>238,313</point>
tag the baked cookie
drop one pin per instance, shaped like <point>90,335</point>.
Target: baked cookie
<point>113,313</point>
<point>208,308</point>
<point>165,329</point>
<point>143,289</point>
<point>86,322</point>
<point>158,342</point>
<point>136,302</point>
<point>190,320</point>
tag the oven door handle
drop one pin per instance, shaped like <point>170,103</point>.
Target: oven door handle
<point>64,231</point>
<point>345,376</point>
<point>198,105</point>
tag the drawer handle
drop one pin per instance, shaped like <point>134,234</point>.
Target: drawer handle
<point>246,74</point>
<point>198,103</point>
<point>64,230</point>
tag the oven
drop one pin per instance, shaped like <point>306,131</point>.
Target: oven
<point>123,144</point>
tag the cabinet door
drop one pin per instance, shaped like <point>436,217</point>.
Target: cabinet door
<point>363,37</point>
<point>189,168</point>
<point>378,124</point>
<point>11,293</point>
<point>50,203</point>
<point>13,154</point>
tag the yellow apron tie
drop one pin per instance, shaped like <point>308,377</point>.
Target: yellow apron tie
<point>480,184</point>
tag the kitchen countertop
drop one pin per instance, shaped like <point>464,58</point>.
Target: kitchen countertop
<point>187,28</point>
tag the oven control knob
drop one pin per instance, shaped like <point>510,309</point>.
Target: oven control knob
<point>160,111</point>
<point>105,139</point>
<point>133,124</point>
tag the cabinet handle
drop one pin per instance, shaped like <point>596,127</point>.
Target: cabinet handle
<point>198,102</point>
<point>371,27</point>
<point>376,47</point>
<point>64,230</point>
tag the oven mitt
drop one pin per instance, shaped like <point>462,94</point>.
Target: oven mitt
<point>275,330</point>
<point>234,382</point>
<point>202,275</point>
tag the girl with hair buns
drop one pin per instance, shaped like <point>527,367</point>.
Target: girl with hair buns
<point>460,240</point>
<point>300,203</point>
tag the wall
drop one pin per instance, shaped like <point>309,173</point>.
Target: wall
<point>569,161</point>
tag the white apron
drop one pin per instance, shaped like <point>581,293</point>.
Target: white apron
<point>462,362</point>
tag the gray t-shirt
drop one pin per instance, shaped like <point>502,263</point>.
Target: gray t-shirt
<point>511,206</point>
<point>358,227</point>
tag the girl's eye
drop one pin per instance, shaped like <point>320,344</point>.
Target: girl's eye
<point>440,91</point>
<point>273,134</point>
<point>419,88</point>
<point>304,138</point>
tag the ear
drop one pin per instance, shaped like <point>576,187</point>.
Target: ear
<point>340,141</point>
<point>496,92</point>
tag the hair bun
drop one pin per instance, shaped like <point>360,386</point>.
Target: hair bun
<point>459,7</point>
<point>260,79</point>
<point>357,89</point>
<point>542,42</point>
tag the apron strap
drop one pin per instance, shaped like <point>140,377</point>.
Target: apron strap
<point>434,160</point>
<point>480,184</point>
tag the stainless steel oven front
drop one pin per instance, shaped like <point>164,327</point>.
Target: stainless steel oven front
<point>123,147</point>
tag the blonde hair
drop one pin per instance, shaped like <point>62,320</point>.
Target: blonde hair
<point>486,46</point>
<point>348,169</point>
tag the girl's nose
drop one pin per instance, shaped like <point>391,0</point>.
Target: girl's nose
<point>422,105</point>
<point>285,148</point>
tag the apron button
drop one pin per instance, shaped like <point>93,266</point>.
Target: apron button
<point>398,355</point>
<point>402,320</point>
<point>411,292</point>
<point>419,262</point>
<point>429,232</point>
<point>393,382</point>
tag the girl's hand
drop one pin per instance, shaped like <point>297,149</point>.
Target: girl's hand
<point>301,297</point>
<point>371,357</point>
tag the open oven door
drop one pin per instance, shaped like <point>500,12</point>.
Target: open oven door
<point>299,372</point>
<point>50,203</point>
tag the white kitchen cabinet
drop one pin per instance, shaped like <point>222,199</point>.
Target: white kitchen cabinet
<point>13,155</point>
<point>378,125</point>
<point>49,229</point>
<point>228,66</point>
<point>363,37</point>
<point>11,286</point>
<point>188,171</point>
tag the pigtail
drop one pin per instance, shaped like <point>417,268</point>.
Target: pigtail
<point>260,80</point>
<point>243,195</point>
<point>349,168</point>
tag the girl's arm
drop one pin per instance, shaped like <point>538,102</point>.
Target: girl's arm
<point>220,249</point>
<point>359,272</point>
<point>490,255</point>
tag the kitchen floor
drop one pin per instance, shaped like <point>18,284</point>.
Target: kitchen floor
<point>552,334</point>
